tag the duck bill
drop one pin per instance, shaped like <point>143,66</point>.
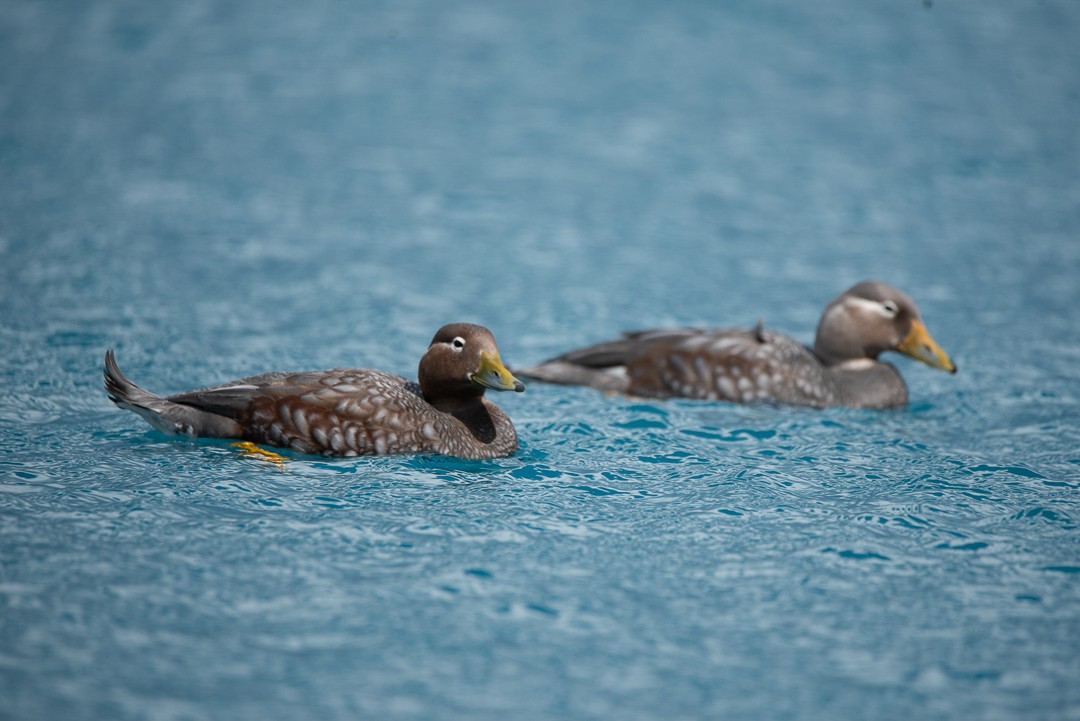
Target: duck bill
<point>919,345</point>
<point>494,375</point>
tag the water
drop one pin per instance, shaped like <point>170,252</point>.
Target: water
<point>217,189</point>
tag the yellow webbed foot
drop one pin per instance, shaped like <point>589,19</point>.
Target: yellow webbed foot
<point>250,450</point>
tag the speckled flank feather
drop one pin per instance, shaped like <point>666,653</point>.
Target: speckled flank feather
<point>736,365</point>
<point>350,411</point>
<point>748,365</point>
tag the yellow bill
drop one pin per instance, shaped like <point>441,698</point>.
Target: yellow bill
<point>919,345</point>
<point>494,375</point>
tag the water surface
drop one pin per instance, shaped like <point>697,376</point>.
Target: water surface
<point>222,188</point>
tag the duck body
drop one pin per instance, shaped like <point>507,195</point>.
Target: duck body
<point>350,411</point>
<point>752,365</point>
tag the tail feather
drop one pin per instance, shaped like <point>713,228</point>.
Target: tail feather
<point>621,351</point>
<point>601,355</point>
<point>121,390</point>
<point>165,415</point>
<point>604,365</point>
<point>601,366</point>
<point>613,378</point>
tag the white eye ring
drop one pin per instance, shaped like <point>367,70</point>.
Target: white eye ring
<point>457,344</point>
<point>890,307</point>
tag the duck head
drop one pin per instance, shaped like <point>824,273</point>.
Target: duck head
<point>872,317</point>
<point>461,363</point>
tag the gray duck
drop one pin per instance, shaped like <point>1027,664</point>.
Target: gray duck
<point>755,364</point>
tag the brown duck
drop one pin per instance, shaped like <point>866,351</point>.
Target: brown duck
<point>747,365</point>
<point>350,411</point>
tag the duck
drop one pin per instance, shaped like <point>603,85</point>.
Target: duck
<point>350,411</point>
<point>745,365</point>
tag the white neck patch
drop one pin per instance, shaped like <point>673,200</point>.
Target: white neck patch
<point>856,364</point>
<point>868,305</point>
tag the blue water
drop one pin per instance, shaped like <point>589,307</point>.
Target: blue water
<point>222,188</point>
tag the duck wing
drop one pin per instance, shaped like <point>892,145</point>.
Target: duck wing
<point>733,364</point>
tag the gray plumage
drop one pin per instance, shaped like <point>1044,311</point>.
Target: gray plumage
<point>748,365</point>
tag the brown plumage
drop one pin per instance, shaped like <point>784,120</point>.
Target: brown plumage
<point>350,411</point>
<point>747,365</point>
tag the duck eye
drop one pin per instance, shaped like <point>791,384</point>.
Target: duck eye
<point>458,343</point>
<point>890,307</point>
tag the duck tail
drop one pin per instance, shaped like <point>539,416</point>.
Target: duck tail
<point>601,366</point>
<point>123,392</point>
<point>166,415</point>
<point>613,379</point>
